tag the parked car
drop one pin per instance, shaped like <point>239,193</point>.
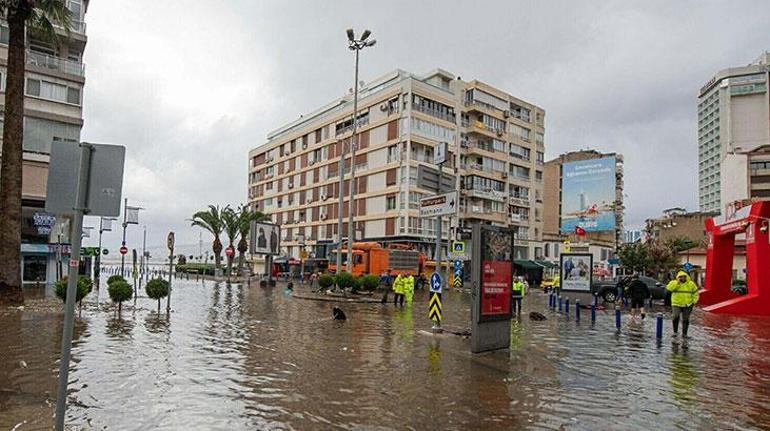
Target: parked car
<point>608,289</point>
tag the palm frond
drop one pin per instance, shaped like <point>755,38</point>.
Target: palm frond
<point>46,16</point>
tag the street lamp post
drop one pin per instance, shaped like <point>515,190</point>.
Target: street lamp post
<point>354,45</point>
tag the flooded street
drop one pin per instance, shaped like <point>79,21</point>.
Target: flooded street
<point>239,357</point>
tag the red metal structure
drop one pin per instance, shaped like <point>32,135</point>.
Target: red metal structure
<point>716,296</point>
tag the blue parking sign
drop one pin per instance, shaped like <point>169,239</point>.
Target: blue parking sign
<point>687,266</point>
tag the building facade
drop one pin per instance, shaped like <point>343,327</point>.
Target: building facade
<point>603,244</point>
<point>678,223</point>
<point>733,119</point>
<point>55,77</point>
<point>495,160</point>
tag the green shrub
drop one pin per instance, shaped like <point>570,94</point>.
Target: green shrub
<point>326,281</point>
<point>344,280</point>
<point>357,283</point>
<point>370,282</point>
<point>157,288</point>
<point>114,278</point>
<point>120,291</point>
<point>198,268</point>
<point>85,285</point>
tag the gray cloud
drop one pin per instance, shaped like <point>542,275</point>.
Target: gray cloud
<point>189,90</point>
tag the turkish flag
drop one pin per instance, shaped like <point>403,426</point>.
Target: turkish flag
<point>580,231</point>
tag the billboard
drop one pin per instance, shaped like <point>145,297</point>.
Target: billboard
<point>496,274</point>
<point>576,272</point>
<point>588,195</point>
<point>265,238</point>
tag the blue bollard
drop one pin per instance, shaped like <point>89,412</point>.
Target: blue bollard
<point>560,304</point>
<point>566,306</point>
<point>593,313</point>
<point>659,326</point>
<point>577,310</point>
<point>550,300</point>
<point>617,317</point>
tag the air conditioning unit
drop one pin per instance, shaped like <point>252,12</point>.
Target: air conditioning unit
<point>311,162</point>
<point>505,175</point>
<point>324,197</point>
<point>269,158</point>
<point>268,176</point>
<point>291,185</point>
<point>309,200</point>
<point>465,144</point>
<point>384,107</point>
<point>499,132</point>
<point>323,216</point>
<point>506,114</point>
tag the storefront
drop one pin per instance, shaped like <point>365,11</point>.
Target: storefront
<point>44,248</point>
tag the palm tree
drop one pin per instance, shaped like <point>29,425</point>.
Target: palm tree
<point>39,16</point>
<point>245,217</point>
<point>211,220</point>
<point>230,220</point>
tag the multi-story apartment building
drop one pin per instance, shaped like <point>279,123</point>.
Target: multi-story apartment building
<point>55,77</point>
<point>495,159</point>
<point>733,120</point>
<point>603,244</point>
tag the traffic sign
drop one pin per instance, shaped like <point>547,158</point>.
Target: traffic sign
<point>105,252</point>
<point>170,241</point>
<point>438,205</point>
<point>457,282</point>
<point>458,246</point>
<point>123,249</point>
<point>434,307</point>
<point>440,152</point>
<point>687,266</point>
<point>435,283</point>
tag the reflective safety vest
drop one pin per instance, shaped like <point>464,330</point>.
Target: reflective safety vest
<point>518,288</point>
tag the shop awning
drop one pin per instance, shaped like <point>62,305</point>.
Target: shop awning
<point>527,264</point>
<point>546,264</point>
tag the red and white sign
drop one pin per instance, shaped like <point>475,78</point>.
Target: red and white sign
<point>74,263</point>
<point>230,251</point>
<point>495,287</point>
<point>123,249</point>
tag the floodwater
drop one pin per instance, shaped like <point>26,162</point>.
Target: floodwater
<point>239,357</point>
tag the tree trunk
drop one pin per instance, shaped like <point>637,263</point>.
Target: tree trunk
<point>120,307</point>
<point>240,263</point>
<point>11,168</point>
<point>158,306</point>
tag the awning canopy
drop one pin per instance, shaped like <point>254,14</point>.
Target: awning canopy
<point>547,264</point>
<point>527,264</point>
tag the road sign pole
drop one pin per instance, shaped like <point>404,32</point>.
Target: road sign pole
<point>170,243</point>
<point>72,282</point>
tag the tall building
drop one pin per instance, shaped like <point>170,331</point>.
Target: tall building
<point>733,121</point>
<point>495,159</point>
<point>55,77</point>
<point>603,240</point>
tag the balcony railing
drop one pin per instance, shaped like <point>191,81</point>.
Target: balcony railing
<point>75,26</point>
<point>55,63</point>
<point>434,112</point>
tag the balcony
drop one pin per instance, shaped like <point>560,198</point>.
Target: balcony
<point>434,113</point>
<point>55,63</point>
<point>75,27</point>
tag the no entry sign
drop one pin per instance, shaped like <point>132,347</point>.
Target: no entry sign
<point>123,249</point>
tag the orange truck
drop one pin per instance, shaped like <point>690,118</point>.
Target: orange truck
<point>373,258</point>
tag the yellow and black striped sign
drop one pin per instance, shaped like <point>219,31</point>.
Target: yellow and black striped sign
<point>434,307</point>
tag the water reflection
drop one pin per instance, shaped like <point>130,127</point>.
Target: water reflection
<point>237,357</point>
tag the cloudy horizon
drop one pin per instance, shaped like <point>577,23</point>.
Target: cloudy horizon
<point>190,90</point>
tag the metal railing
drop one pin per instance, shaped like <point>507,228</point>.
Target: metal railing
<point>55,63</point>
<point>434,112</point>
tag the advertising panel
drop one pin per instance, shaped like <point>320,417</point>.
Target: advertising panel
<point>576,272</point>
<point>496,274</point>
<point>265,238</point>
<point>588,195</point>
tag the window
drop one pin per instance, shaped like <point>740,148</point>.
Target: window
<point>39,133</point>
<point>432,130</point>
<point>431,107</point>
<point>539,176</point>
<point>520,152</point>
<point>519,171</point>
<point>52,91</point>
<point>540,157</point>
<point>390,202</point>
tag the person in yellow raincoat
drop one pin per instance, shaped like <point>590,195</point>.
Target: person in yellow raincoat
<point>398,290</point>
<point>409,288</point>
<point>684,295</point>
<point>556,284</point>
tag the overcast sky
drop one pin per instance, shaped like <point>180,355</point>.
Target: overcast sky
<point>190,86</point>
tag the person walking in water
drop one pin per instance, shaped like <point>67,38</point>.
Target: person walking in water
<point>398,290</point>
<point>684,295</point>
<point>518,291</point>
<point>409,288</point>
<point>638,292</point>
